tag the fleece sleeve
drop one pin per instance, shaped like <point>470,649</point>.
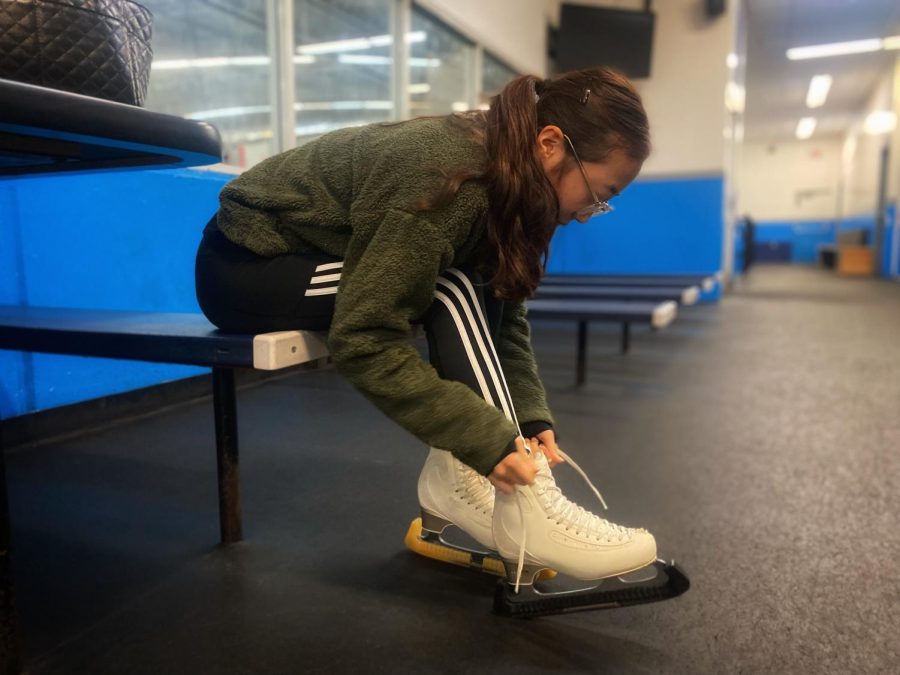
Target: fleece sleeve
<point>521,372</point>
<point>387,281</point>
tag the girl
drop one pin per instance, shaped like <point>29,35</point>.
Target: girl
<point>443,222</point>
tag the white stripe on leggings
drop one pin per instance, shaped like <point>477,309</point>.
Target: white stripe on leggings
<point>325,278</point>
<point>485,354</point>
<point>330,266</point>
<point>448,303</point>
<point>331,290</point>
<point>471,290</point>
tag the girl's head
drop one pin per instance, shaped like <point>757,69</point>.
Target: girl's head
<point>558,150</point>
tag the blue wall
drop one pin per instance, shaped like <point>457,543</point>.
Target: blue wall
<point>110,241</point>
<point>671,226</point>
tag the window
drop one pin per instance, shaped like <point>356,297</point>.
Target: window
<point>441,68</point>
<point>494,76</point>
<point>342,64</point>
<point>210,62</point>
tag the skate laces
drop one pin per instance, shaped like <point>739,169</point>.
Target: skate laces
<point>477,488</point>
<point>565,511</point>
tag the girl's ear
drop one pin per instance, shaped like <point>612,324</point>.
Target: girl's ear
<point>550,142</point>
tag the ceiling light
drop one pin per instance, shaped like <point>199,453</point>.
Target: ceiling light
<point>892,42</point>
<point>373,60</point>
<point>731,61</point>
<point>834,49</point>
<point>880,122</point>
<point>419,88</point>
<point>805,127</point>
<point>819,86</point>
<point>356,44</point>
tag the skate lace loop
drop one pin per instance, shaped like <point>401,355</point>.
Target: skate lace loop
<point>565,511</point>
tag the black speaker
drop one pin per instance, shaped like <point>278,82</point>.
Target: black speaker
<point>714,8</point>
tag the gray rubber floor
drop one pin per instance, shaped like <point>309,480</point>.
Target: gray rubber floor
<point>759,439</point>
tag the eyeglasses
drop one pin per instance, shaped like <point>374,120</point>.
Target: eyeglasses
<point>599,207</point>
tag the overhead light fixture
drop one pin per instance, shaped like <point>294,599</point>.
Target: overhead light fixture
<point>419,88</point>
<point>374,60</point>
<point>805,127</point>
<point>356,44</point>
<point>731,61</point>
<point>841,48</point>
<point>819,86</point>
<point>220,62</point>
<point>880,122</point>
<point>735,97</point>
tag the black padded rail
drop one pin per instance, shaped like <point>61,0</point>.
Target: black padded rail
<point>630,293</point>
<point>44,130</point>
<point>705,281</point>
<point>591,310</point>
<point>165,338</point>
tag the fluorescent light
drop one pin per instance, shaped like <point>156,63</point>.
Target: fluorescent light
<point>834,49</point>
<point>731,61</point>
<point>373,60</point>
<point>356,44</point>
<point>880,122</point>
<point>735,97</point>
<point>805,127</point>
<point>819,86</point>
<point>419,88</point>
<point>892,42</point>
<point>220,62</point>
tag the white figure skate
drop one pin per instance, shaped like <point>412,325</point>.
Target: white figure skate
<point>537,528</point>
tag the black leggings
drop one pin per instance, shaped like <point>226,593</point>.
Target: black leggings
<point>240,291</point>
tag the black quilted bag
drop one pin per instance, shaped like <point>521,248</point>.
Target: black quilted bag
<point>94,47</point>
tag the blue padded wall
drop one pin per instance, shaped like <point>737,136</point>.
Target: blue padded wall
<point>660,226</point>
<point>106,241</point>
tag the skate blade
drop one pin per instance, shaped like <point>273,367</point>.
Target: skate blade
<point>669,581</point>
<point>435,548</point>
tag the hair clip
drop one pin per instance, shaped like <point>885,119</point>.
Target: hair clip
<point>585,96</point>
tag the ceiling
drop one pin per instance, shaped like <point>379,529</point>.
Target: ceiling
<point>776,86</point>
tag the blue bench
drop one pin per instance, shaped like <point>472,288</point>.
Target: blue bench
<point>657,315</point>
<point>706,281</point>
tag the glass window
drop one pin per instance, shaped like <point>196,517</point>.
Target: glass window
<point>342,64</point>
<point>441,68</point>
<point>494,76</point>
<point>210,62</point>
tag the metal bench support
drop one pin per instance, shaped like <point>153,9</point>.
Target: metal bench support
<point>10,649</point>
<point>626,337</point>
<point>225,406</point>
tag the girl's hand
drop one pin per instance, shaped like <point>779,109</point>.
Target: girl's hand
<point>546,441</point>
<point>517,468</point>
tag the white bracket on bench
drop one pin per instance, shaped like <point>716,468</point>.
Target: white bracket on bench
<point>664,314</point>
<point>272,351</point>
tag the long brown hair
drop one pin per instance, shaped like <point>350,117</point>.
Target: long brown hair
<point>598,108</point>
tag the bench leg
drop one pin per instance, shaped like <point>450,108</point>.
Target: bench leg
<point>10,649</point>
<point>225,405</point>
<point>581,369</point>
<point>626,337</point>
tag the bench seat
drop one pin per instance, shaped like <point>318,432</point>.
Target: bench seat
<point>145,336</point>
<point>706,281</point>
<point>684,295</point>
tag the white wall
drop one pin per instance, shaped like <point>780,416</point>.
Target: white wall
<point>514,30</point>
<point>861,155</point>
<point>795,180</point>
<point>684,96</point>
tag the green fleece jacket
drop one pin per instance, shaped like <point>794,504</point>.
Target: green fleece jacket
<point>352,194</point>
